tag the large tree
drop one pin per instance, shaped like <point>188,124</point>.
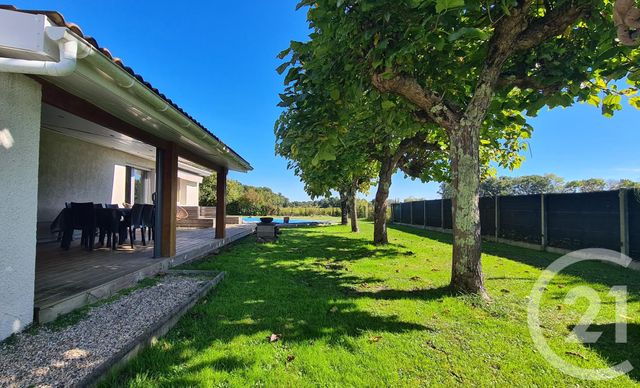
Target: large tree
<point>306,136</point>
<point>466,67</point>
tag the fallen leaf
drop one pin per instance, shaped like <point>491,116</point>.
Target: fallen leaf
<point>333,309</point>
<point>559,307</point>
<point>376,338</point>
<point>504,290</point>
<point>415,278</point>
<point>576,354</point>
<point>274,337</point>
<point>560,285</point>
<point>434,270</point>
<point>290,358</point>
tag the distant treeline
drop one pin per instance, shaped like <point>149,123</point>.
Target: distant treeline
<point>251,200</point>
<point>541,184</point>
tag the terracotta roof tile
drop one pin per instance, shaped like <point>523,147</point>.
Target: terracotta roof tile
<point>59,20</point>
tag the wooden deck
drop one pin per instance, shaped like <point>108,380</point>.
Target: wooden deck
<point>66,280</point>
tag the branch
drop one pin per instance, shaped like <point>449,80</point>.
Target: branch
<point>552,24</point>
<point>432,104</point>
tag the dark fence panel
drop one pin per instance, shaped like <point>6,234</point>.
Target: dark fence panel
<point>418,212</point>
<point>434,213</point>
<point>396,212</point>
<point>405,215</point>
<point>520,218</point>
<point>447,217</point>
<point>633,200</point>
<point>584,220</point>
<point>488,216</point>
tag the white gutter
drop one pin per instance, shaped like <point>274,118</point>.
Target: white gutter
<point>181,124</point>
<point>70,50</point>
<point>72,47</point>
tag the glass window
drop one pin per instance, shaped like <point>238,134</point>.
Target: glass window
<point>137,186</point>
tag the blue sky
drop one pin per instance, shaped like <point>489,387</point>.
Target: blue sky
<point>217,60</point>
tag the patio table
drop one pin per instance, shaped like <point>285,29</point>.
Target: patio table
<point>63,224</point>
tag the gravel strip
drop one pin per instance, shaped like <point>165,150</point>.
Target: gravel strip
<point>63,357</point>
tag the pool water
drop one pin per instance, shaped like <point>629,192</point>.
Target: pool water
<point>249,220</point>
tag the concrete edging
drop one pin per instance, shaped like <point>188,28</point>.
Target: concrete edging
<point>150,336</point>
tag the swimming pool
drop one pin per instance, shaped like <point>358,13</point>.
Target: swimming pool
<point>249,220</point>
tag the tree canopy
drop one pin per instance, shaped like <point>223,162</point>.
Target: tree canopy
<point>471,68</point>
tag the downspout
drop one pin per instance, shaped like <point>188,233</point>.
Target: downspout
<point>70,50</point>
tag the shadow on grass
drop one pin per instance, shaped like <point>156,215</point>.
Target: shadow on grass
<point>614,352</point>
<point>300,288</point>
<point>590,271</point>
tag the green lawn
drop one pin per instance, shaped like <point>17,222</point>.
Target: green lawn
<point>353,314</point>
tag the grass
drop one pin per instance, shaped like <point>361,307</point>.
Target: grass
<point>353,314</point>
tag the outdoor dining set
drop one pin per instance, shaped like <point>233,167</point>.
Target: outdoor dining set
<point>97,220</point>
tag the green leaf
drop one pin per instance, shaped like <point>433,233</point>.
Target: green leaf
<point>284,53</point>
<point>387,104</point>
<point>635,102</point>
<point>335,94</point>
<point>505,8</point>
<point>468,33</point>
<point>282,68</point>
<point>594,100</point>
<point>612,99</point>
<point>443,5</point>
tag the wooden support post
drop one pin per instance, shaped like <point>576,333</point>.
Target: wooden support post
<point>624,222</point>
<point>497,216</point>
<point>167,198</point>
<point>221,202</point>
<point>543,221</point>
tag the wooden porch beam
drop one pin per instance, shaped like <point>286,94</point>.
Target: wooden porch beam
<point>221,203</point>
<point>167,165</point>
<point>61,99</point>
<point>195,158</point>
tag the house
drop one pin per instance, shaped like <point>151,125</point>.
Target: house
<point>78,125</point>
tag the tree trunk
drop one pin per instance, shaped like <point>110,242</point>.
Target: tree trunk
<point>466,273</point>
<point>380,203</point>
<point>344,209</point>
<point>353,211</point>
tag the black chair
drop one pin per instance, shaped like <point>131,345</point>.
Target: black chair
<point>148,219</point>
<point>135,223</point>
<point>80,216</point>
<point>108,221</point>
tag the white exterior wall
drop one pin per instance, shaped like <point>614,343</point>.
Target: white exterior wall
<point>73,170</point>
<point>20,111</point>
<point>188,192</point>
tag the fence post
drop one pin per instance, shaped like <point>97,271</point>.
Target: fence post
<point>543,221</point>
<point>424,215</point>
<point>442,213</point>
<point>497,216</point>
<point>624,222</point>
